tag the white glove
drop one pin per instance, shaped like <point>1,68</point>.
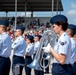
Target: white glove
<point>47,48</point>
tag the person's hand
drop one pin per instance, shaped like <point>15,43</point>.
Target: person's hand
<point>47,48</point>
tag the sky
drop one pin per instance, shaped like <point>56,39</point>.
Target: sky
<point>69,10</point>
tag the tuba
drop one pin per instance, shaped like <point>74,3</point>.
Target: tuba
<point>39,61</point>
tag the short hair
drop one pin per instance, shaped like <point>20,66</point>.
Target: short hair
<point>22,32</point>
<point>31,38</point>
<point>63,24</point>
<point>39,36</point>
<point>72,32</point>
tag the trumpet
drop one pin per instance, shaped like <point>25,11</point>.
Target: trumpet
<point>39,61</point>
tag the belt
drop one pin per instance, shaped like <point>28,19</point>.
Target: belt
<point>28,56</point>
<point>61,65</point>
<point>3,57</point>
<point>74,62</point>
<point>69,64</point>
<point>18,56</point>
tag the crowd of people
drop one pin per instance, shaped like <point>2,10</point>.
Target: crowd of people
<point>26,43</point>
<point>33,23</point>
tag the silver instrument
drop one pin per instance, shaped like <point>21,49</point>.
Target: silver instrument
<point>39,61</point>
<point>16,69</point>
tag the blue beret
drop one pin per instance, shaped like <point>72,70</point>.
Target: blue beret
<point>4,22</point>
<point>39,36</point>
<point>71,26</point>
<point>30,37</point>
<point>58,18</point>
<point>20,27</point>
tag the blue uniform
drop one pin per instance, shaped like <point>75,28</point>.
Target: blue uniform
<point>5,51</point>
<point>19,47</point>
<point>28,58</point>
<point>73,56</point>
<point>36,48</point>
<point>73,46</point>
<point>63,47</point>
<point>71,33</point>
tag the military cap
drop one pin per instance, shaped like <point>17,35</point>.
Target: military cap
<point>39,36</point>
<point>20,27</point>
<point>57,18</point>
<point>30,37</point>
<point>4,22</point>
<point>71,26</point>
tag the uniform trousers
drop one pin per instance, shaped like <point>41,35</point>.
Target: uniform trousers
<point>47,69</point>
<point>58,69</point>
<point>17,60</point>
<point>74,68</point>
<point>70,69</point>
<point>38,72</point>
<point>4,65</point>
<point>28,60</point>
